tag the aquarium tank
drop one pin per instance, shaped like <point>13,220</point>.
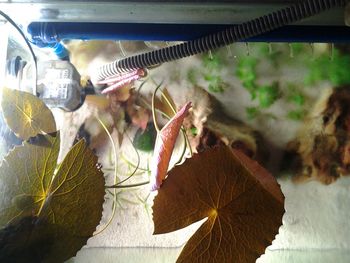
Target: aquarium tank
<point>175,131</point>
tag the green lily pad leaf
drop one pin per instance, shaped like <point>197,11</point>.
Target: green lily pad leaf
<point>64,201</point>
<point>15,245</point>
<point>26,115</point>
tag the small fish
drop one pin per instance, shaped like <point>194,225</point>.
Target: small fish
<point>164,147</point>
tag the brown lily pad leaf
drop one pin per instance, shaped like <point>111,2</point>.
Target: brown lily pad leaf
<point>242,202</point>
<point>164,146</point>
<point>26,115</point>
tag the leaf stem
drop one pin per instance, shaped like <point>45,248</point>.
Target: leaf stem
<point>128,185</point>
<point>153,108</point>
<point>168,102</point>
<point>125,159</point>
<point>183,150</point>
<point>136,167</point>
<point>115,178</point>
<point>187,142</point>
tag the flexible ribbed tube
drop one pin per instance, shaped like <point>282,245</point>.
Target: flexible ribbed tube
<point>233,34</point>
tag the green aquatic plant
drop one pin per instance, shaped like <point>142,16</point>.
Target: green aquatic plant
<point>267,95</point>
<point>246,73</point>
<point>324,67</point>
<point>212,65</point>
<point>252,112</point>
<point>192,76</point>
<point>296,115</point>
<point>296,97</point>
<point>212,61</point>
<point>296,49</point>
<point>268,52</point>
<point>339,69</point>
<point>215,83</point>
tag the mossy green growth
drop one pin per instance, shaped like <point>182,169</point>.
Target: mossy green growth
<point>296,115</point>
<point>295,96</point>
<point>211,73</point>
<point>335,70</point>
<point>267,95</point>
<point>215,83</point>
<point>297,48</point>
<point>252,112</point>
<point>212,62</point>
<point>339,70</point>
<point>192,76</point>
<point>297,99</point>
<point>246,72</point>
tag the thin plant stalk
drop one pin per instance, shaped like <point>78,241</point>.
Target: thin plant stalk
<point>125,159</point>
<point>117,185</point>
<point>153,109</point>
<point>115,177</point>
<point>128,185</point>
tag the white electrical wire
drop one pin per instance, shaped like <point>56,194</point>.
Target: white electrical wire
<point>4,15</point>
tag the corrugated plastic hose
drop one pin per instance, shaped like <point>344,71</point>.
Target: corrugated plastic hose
<point>233,34</point>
